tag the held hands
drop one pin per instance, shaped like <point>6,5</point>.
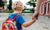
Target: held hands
<point>35,15</point>
<point>34,19</point>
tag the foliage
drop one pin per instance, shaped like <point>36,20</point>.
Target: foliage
<point>32,4</point>
<point>10,11</point>
<point>7,6</point>
<point>10,5</point>
<point>25,7</point>
<point>32,10</point>
<point>1,3</point>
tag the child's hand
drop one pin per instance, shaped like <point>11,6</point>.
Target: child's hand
<point>35,19</point>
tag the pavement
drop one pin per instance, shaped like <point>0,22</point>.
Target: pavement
<point>43,23</point>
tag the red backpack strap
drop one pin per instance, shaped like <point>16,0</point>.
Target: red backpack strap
<point>13,18</point>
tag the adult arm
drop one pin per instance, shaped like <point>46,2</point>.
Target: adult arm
<point>37,9</point>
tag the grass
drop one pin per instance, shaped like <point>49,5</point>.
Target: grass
<point>10,11</point>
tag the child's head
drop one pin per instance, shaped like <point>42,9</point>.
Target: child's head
<point>17,6</point>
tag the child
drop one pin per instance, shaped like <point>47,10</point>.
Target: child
<point>18,7</point>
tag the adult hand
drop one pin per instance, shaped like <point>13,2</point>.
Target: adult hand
<point>35,15</point>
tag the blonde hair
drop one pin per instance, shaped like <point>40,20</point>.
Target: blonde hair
<point>17,4</point>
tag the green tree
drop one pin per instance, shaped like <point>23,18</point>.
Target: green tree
<point>25,7</point>
<point>10,5</point>
<point>32,3</point>
<point>1,3</point>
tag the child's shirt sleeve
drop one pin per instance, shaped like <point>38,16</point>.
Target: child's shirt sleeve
<point>21,19</point>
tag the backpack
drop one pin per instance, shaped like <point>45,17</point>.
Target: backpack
<point>10,24</point>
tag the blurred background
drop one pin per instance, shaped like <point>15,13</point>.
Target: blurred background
<point>43,22</point>
<point>6,6</point>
